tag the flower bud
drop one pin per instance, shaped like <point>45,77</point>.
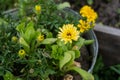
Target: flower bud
<point>21,53</point>
<point>14,39</point>
<point>40,38</point>
<point>38,9</point>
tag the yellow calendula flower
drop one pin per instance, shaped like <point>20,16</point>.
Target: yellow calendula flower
<point>40,38</point>
<point>21,53</point>
<point>84,26</point>
<point>14,39</point>
<point>68,33</point>
<point>89,13</point>
<point>38,8</point>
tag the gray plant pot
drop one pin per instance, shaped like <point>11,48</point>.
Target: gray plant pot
<point>93,48</point>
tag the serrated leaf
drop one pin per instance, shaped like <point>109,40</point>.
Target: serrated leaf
<point>49,41</point>
<point>84,74</point>
<point>57,52</point>
<point>54,51</point>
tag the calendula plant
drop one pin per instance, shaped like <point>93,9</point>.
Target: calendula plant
<point>44,44</point>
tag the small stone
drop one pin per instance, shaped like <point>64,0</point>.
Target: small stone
<point>77,64</point>
<point>31,71</point>
<point>68,77</point>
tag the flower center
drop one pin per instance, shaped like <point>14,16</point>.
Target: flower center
<point>21,51</point>
<point>68,34</point>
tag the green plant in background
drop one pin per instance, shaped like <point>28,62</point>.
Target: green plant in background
<point>7,4</point>
<point>90,2</point>
<point>44,43</point>
<point>112,72</point>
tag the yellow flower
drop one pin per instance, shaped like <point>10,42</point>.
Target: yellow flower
<point>68,33</point>
<point>89,13</point>
<point>38,8</point>
<point>14,39</point>
<point>21,53</point>
<point>84,26</point>
<point>40,38</point>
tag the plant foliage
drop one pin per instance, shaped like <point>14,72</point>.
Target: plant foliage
<point>42,42</point>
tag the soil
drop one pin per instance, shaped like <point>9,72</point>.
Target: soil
<point>84,58</point>
<point>84,61</point>
<point>108,10</point>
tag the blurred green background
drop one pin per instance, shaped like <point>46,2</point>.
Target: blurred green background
<point>7,4</point>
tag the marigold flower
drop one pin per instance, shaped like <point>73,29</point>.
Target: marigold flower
<point>40,38</point>
<point>14,39</point>
<point>84,26</point>
<point>68,33</point>
<point>21,53</point>
<point>38,8</point>
<point>89,13</point>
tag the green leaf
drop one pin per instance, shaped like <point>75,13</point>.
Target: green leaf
<point>115,69</point>
<point>20,27</point>
<point>118,11</point>
<point>63,5</point>
<point>67,57</point>
<point>72,59</point>
<point>62,45</point>
<point>87,42</point>
<point>1,71</point>
<point>8,76</point>
<point>80,43</point>
<point>54,52</point>
<point>49,40</point>
<point>24,44</point>
<point>77,53</point>
<point>19,79</point>
<point>30,32</point>
<point>84,74</point>
<point>57,52</point>
<point>2,21</point>
<point>49,35</point>
<point>90,2</point>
